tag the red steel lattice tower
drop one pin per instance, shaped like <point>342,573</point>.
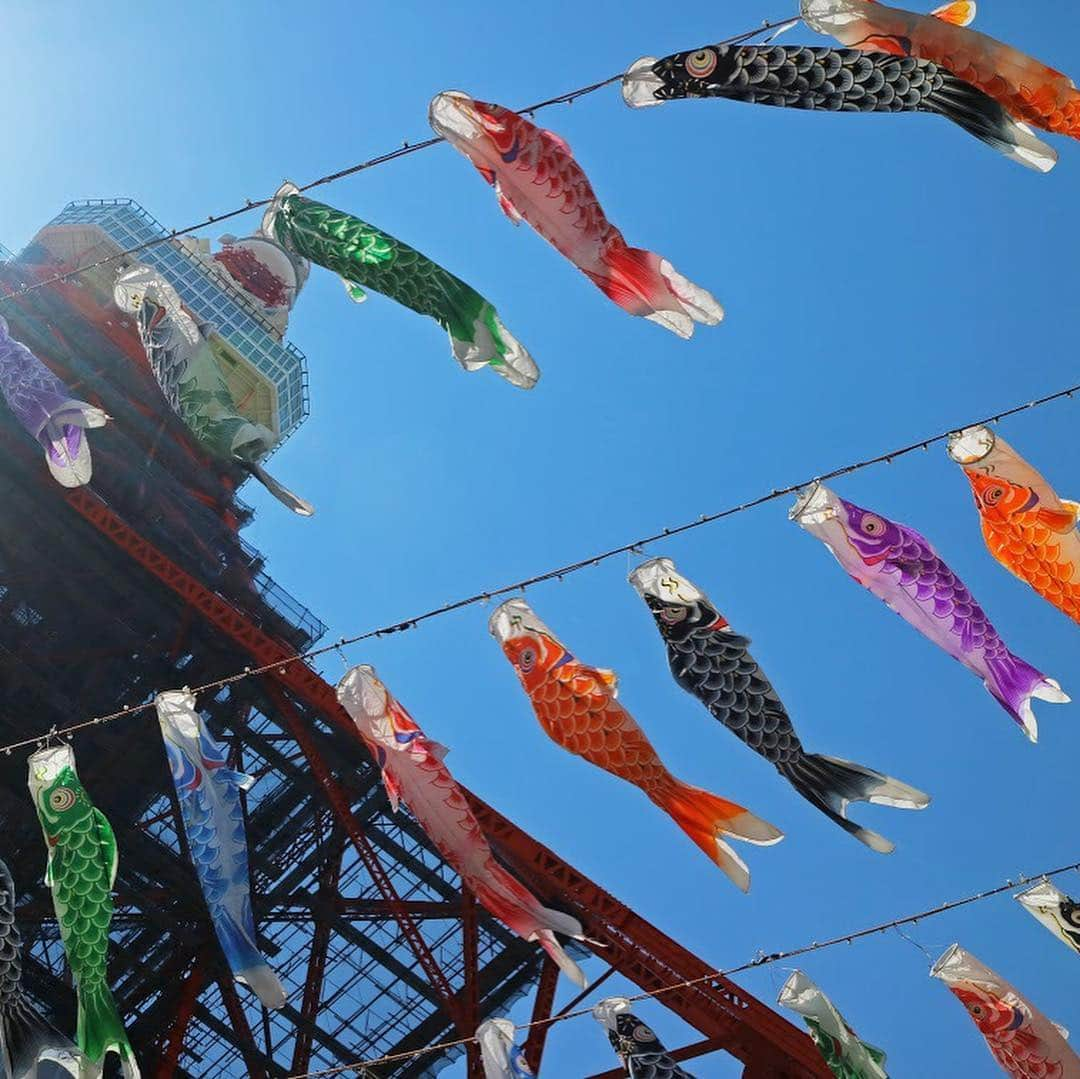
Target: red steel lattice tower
<point>139,583</point>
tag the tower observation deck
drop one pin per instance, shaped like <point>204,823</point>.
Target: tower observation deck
<point>141,582</point>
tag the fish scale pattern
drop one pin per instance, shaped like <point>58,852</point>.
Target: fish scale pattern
<point>713,664</point>
<point>717,668</point>
<point>836,80</point>
<point>1027,88</point>
<point>364,254</point>
<point>10,945</point>
<point>83,897</point>
<point>836,1059</point>
<point>642,1052</point>
<point>806,77</point>
<point>925,578</point>
<point>1034,553</point>
<point>576,710</point>
<point>32,391</point>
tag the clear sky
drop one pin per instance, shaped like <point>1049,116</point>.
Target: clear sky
<point>885,277</point>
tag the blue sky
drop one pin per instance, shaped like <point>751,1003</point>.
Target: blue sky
<point>885,277</point>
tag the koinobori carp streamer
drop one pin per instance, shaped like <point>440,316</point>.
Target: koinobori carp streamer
<point>26,1037</point>
<point>187,372</point>
<point>712,662</point>
<point>364,256</point>
<point>845,1054</point>
<point>639,1050</point>
<point>1055,910</point>
<point>208,791</point>
<point>48,411</point>
<point>537,179</point>
<point>900,567</point>
<point>833,80</point>
<point>1031,91</point>
<point>499,1056</point>
<point>414,772</point>
<point>81,871</point>
<point>1020,1038</point>
<point>577,707</point>
<point>1027,527</point>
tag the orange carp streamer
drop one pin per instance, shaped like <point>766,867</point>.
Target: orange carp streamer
<point>577,707</point>
<point>1029,89</point>
<point>1027,527</point>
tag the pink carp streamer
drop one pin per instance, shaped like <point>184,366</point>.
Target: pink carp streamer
<point>1021,1039</point>
<point>537,180</point>
<point>413,772</point>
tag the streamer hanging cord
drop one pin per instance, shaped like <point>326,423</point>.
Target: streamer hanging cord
<point>634,546</point>
<point>404,150</point>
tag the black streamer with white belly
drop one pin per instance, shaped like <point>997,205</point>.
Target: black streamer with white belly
<point>833,80</point>
<point>712,662</point>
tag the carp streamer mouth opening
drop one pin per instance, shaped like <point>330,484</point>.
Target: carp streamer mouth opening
<point>277,201</point>
<point>653,577</point>
<point>450,115</point>
<point>640,83</point>
<point>970,446</point>
<point>814,506</point>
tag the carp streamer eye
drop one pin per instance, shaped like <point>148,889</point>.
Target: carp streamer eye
<point>61,799</point>
<point>994,496</point>
<point>643,1034</point>
<point>701,64</point>
<point>672,615</point>
<point>872,526</point>
<point>527,660</point>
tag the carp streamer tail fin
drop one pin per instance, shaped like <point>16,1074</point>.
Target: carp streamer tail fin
<point>981,116</point>
<point>293,501</point>
<point>647,285</point>
<point>831,784</point>
<point>481,340</point>
<point>245,960</point>
<point>502,895</point>
<point>67,451</point>
<point>101,1030</point>
<point>705,818</point>
<point>1014,683</point>
<point>27,1038</point>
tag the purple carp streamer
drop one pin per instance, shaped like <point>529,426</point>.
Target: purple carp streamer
<point>901,568</point>
<point>833,80</point>
<point>1055,910</point>
<point>640,1050</point>
<point>48,411</point>
<point>1021,1039</point>
<point>712,662</point>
